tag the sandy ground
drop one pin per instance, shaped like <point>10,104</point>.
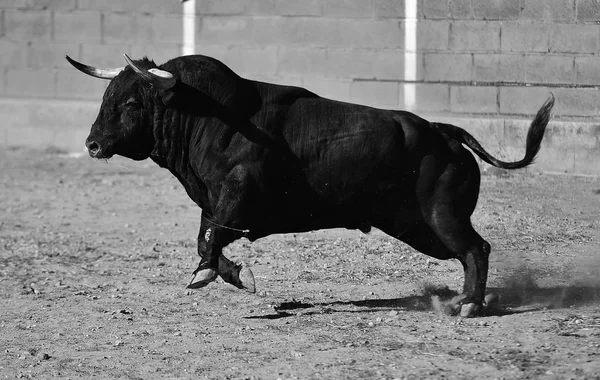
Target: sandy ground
<point>95,257</point>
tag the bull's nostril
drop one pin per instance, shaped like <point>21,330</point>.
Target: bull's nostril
<point>93,147</point>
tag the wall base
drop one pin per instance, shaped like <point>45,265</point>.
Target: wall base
<point>568,146</point>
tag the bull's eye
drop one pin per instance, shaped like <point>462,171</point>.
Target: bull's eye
<point>132,102</point>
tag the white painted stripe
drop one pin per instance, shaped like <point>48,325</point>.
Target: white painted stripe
<point>410,52</point>
<point>189,28</point>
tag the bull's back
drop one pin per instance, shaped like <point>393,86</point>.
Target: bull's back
<point>347,150</point>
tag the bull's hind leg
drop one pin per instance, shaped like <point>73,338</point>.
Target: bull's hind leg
<point>421,237</point>
<point>473,253</point>
<point>447,201</point>
<point>462,243</point>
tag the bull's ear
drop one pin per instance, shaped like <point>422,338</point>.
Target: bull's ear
<point>158,78</point>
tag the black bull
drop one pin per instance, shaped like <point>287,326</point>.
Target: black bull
<point>260,159</point>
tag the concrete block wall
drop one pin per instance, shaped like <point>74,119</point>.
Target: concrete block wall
<point>35,36</point>
<point>478,62</point>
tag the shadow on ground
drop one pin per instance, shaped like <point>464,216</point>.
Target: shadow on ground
<point>510,300</point>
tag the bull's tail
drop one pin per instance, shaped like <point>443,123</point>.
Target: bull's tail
<point>532,146</point>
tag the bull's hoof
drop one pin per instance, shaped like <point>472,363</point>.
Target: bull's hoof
<point>202,278</point>
<point>492,301</point>
<point>247,280</point>
<point>470,310</point>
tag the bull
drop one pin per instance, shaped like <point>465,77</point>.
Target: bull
<point>261,159</point>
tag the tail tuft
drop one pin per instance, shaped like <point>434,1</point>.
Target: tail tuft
<point>537,130</point>
<point>535,134</point>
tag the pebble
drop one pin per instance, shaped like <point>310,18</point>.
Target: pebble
<point>483,323</point>
<point>393,313</point>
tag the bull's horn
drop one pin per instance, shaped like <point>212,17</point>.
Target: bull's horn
<point>158,78</point>
<point>98,72</point>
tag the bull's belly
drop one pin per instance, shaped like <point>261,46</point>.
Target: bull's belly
<point>361,211</point>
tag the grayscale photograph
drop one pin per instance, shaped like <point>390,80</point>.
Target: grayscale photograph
<point>300,189</point>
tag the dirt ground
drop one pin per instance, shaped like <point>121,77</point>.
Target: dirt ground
<point>95,257</point>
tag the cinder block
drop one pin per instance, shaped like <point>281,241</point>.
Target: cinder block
<point>548,69</point>
<point>220,7</point>
<point>134,6</point>
<point>474,36</point>
<point>295,8</point>
<point>28,136</point>
<point>293,61</point>
<point>277,30</point>
<point>429,97</point>
<point>127,28</point>
<point>324,32</point>
<point>49,55</point>
<point>375,33</point>
<point>167,29</point>
<point>496,9</point>
<point>77,26</point>
<point>30,82</point>
<point>45,122</point>
<point>570,38</point>
<point>435,9</point>
<point>72,84</point>
<point>524,37</point>
<point>375,94</point>
<point>225,31</point>
<point>432,35</point>
<point>27,25</point>
<point>460,9</point>
<point>353,33</point>
<point>328,88</point>
<point>524,100</point>
<point>159,53</point>
<point>56,5</point>
<point>13,4</point>
<point>498,67</point>
<point>473,99</point>
<point>389,64</point>
<point>2,81</point>
<point>444,67</point>
<point>261,7</point>
<point>14,54</point>
<point>586,161</point>
<point>350,64</point>
<point>346,8</point>
<point>577,102</point>
<point>388,8</point>
<point>587,70</point>
<point>572,135</point>
<point>568,147</point>
<point>252,62</point>
<point>104,55</point>
<point>588,10</point>
<point>548,9</point>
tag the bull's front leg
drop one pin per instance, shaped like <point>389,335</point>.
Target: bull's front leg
<point>212,238</point>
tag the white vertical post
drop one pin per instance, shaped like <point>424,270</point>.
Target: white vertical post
<point>189,28</point>
<point>410,53</point>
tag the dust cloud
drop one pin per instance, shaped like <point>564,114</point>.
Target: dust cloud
<point>520,290</point>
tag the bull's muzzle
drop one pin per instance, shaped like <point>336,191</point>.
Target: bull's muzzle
<point>93,149</point>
